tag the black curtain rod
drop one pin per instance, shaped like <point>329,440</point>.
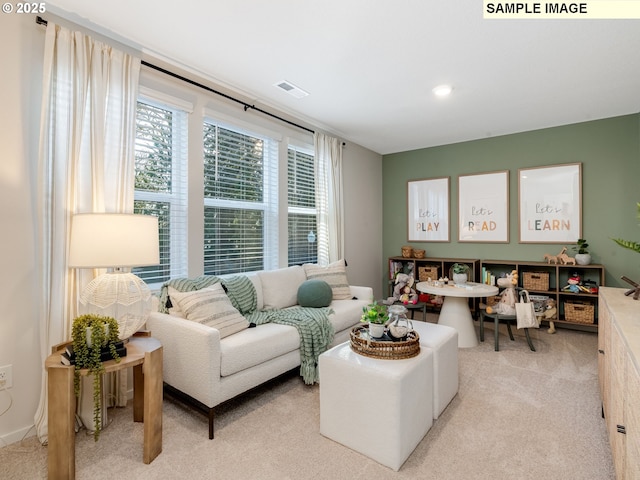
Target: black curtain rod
<point>246,106</point>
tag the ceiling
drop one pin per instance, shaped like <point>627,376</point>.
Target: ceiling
<point>370,65</point>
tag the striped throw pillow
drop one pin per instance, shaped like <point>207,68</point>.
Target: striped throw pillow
<point>335,274</point>
<point>211,306</point>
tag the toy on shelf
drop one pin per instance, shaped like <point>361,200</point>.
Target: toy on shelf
<point>588,286</point>
<point>565,259</point>
<point>507,303</point>
<point>573,284</point>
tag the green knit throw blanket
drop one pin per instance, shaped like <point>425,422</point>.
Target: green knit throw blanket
<point>313,325</point>
<point>314,328</point>
<point>239,289</point>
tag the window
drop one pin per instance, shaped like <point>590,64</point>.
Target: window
<point>240,200</point>
<point>160,184</point>
<point>303,246</point>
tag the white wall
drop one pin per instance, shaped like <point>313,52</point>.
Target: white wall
<point>22,45</point>
<point>363,221</point>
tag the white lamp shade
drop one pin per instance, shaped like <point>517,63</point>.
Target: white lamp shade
<point>103,240</point>
<point>115,240</point>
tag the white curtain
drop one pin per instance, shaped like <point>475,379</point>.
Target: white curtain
<point>86,164</point>
<point>329,199</point>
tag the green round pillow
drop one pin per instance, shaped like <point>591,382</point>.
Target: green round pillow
<point>315,293</point>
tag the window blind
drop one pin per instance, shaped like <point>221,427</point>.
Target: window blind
<point>240,200</point>
<point>302,232</point>
<point>161,184</point>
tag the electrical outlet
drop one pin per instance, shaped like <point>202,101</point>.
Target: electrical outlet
<point>6,377</point>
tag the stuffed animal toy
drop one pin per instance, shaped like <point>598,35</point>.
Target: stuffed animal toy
<point>550,314</point>
<point>573,284</point>
<point>403,290</point>
<point>508,297</point>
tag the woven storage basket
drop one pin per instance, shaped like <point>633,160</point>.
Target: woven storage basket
<point>428,272</point>
<point>362,344</point>
<point>535,281</point>
<point>407,252</point>
<point>418,253</point>
<point>579,312</point>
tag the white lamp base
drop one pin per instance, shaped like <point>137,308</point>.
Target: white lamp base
<point>121,295</point>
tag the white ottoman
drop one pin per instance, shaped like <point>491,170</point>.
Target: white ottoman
<point>380,408</point>
<point>443,340</point>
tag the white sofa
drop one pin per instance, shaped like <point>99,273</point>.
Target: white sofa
<point>210,370</point>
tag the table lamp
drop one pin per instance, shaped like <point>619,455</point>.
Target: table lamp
<point>115,241</point>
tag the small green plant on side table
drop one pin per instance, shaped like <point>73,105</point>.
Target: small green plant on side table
<point>102,331</point>
<point>376,315</point>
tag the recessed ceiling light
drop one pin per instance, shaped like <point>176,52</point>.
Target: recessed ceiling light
<point>442,90</point>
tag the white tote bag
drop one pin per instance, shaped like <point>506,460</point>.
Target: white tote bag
<point>525,313</point>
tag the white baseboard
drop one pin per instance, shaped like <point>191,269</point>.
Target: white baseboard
<point>17,436</point>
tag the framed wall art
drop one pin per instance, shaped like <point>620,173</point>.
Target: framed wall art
<point>483,207</point>
<point>550,204</point>
<point>428,210</point>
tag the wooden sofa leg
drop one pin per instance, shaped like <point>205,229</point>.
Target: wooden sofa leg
<point>211,424</point>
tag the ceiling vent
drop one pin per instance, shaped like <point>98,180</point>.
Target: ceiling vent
<point>291,89</point>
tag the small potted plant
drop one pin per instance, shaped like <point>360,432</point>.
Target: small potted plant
<point>376,316</point>
<point>460,273</point>
<point>582,254</point>
<point>91,334</point>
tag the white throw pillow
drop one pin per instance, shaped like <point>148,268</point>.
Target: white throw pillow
<point>335,274</point>
<point>280,287</point>
<point>211,306</point>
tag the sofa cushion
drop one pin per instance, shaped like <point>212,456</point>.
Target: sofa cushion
<point>315,293</point>
<point>346,313</point>
<point>255,346</point>
<point>280,287</point>
<point>335,274</point>
<point>211,306</point>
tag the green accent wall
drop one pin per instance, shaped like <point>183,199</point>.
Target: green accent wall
<point>609,151</point>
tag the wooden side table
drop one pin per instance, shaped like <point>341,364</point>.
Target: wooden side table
<point>144,354</point>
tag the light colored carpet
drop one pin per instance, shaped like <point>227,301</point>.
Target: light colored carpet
<point>518,415</point>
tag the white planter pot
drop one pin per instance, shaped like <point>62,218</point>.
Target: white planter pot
<point>460,278</point>
<point>583,258</point>
<point>106,332</point>
<point>376,330</point>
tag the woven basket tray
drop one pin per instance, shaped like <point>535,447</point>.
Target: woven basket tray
<point>361,343</point>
